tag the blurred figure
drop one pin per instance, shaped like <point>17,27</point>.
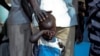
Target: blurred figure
<point>4,50</point>
<point>87,6</point>
<point>3,27</point>
<point>80,26</point>
<point>19,30</point>
<point>94,27</point>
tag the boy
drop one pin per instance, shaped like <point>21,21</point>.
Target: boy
<point>66,20</point>
<point>45,39</point>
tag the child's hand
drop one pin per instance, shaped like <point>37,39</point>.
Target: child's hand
<point>49,33</point>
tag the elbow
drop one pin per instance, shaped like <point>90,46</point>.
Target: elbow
<point>32,40</point>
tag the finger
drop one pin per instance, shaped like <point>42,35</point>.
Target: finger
<point>45,32</point>
<point>53,33</point>
<point>45,15</point>
<point>48,33</point>
<point>48,11</point>
<point>42,16</point>
<point>39,18</point>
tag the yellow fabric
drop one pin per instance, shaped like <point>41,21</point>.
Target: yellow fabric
<point>67,35</point>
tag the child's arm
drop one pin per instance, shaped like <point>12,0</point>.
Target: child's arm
<point>37,35</point>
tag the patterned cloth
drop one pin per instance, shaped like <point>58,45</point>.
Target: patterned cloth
<point>94,28</point>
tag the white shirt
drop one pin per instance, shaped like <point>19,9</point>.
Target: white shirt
<point>54,44</point>
<point>59,10</point>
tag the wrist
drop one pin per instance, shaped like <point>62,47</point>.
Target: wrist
<point>42,31</point>
<point>36,8</point>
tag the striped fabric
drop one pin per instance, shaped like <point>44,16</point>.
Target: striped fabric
<point>95,37</point>
<point>94,15</point>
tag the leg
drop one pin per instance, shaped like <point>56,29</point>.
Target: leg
<point>27,44</point>
<point>67,35</point>
<point>4,49</point>
<point>18,40</point>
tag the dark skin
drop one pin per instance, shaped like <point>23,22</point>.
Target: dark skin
<point>33,7</point>
<point>27,9</point>
<point>40,14</point>
<point>47,29</point>
<point>80,26</point>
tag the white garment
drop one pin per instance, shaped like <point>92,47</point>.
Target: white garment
<point>59,10</point>
<point>50,44</point>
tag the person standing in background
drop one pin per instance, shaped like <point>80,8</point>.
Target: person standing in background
<point>93,25</point>
<point>19,30</point>
<point>80,19</point>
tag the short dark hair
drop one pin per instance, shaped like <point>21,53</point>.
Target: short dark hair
<point>48,22</point>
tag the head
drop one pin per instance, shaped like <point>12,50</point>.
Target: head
<point>48,24</point>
